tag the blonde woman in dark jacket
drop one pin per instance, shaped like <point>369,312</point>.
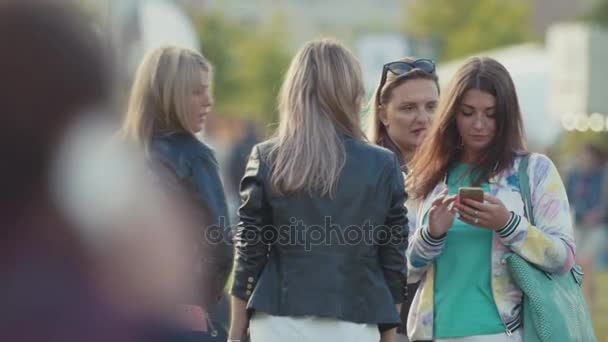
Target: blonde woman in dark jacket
<point>305,268</point>
<point>169,103</point>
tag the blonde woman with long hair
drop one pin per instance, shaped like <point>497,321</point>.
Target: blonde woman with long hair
<point>168,105</point>
<point>321,239</point>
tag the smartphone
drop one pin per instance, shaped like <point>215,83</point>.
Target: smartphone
<point>475,194</point>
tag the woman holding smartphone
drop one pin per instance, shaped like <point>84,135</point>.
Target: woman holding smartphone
<point>457,245</point>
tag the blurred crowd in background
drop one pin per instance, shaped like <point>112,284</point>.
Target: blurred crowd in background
<point>76,204</point>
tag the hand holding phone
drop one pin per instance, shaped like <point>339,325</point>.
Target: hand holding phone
<point>482,210</point>
<point>473,193</point>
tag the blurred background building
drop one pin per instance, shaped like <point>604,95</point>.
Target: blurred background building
<point>548,12</point>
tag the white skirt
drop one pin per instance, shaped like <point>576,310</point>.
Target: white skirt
<point>267,328</point>
<point>503,337</point>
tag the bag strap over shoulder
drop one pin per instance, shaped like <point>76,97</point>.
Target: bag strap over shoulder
<point>524,187</point>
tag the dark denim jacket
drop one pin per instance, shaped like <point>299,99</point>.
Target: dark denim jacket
<point>192,166</point>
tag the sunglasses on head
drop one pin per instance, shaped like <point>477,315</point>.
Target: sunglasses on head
<point>399,68</point>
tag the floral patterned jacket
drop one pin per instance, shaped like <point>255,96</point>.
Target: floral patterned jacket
<point>549,244</point>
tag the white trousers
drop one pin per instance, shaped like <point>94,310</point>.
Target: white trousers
<point>503,337</point>
<point>267,328</point>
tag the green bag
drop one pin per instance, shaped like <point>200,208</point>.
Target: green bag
<point>554,309</point>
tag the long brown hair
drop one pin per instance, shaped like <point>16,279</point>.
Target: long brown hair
<point>441,147</point>
<point>376,131</point>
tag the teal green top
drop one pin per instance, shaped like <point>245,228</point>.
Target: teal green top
<point>463,300</point>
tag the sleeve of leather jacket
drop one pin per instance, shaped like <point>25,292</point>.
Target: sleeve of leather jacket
<point>254,215</point>
<point>392,251</point>
<point>216,248</point>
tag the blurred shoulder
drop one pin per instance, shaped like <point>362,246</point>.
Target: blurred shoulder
<point>377,155</point>
<point>181,145</point>
<point>541,164</point>
<point>265,148</point>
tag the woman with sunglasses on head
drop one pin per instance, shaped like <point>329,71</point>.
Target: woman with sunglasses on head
<point>457,245</point>
<point>400,114</point>
<point>303,269</point>
<point>402,106</point>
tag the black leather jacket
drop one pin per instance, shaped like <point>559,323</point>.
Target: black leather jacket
<point>301,255</point>
<point>192,167</point>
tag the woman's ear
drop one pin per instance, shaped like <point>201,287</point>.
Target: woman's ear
<point>382,115</point>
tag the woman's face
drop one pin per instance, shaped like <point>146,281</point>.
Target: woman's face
<point>408,113</point>
<point>476,121</point>
<point>199,103</point>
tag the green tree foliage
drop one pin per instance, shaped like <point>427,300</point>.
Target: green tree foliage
<point>570,142</point>
<point>249,64</point>
<point>599,12</point>
<point>466,27</point>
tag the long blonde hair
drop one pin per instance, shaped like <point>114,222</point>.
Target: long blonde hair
<point>158,98</point>
<point>319,101</point>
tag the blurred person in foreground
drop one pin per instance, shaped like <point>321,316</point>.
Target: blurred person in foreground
<point>587,187</point>
<point>299,274</point>
<point>81,258</point>
<point>169,103</point>
<point>400,115</point>
<point>457,245</point>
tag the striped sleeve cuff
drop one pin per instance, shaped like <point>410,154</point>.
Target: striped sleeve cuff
<point>428,239</point>
<point>510,227</point>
